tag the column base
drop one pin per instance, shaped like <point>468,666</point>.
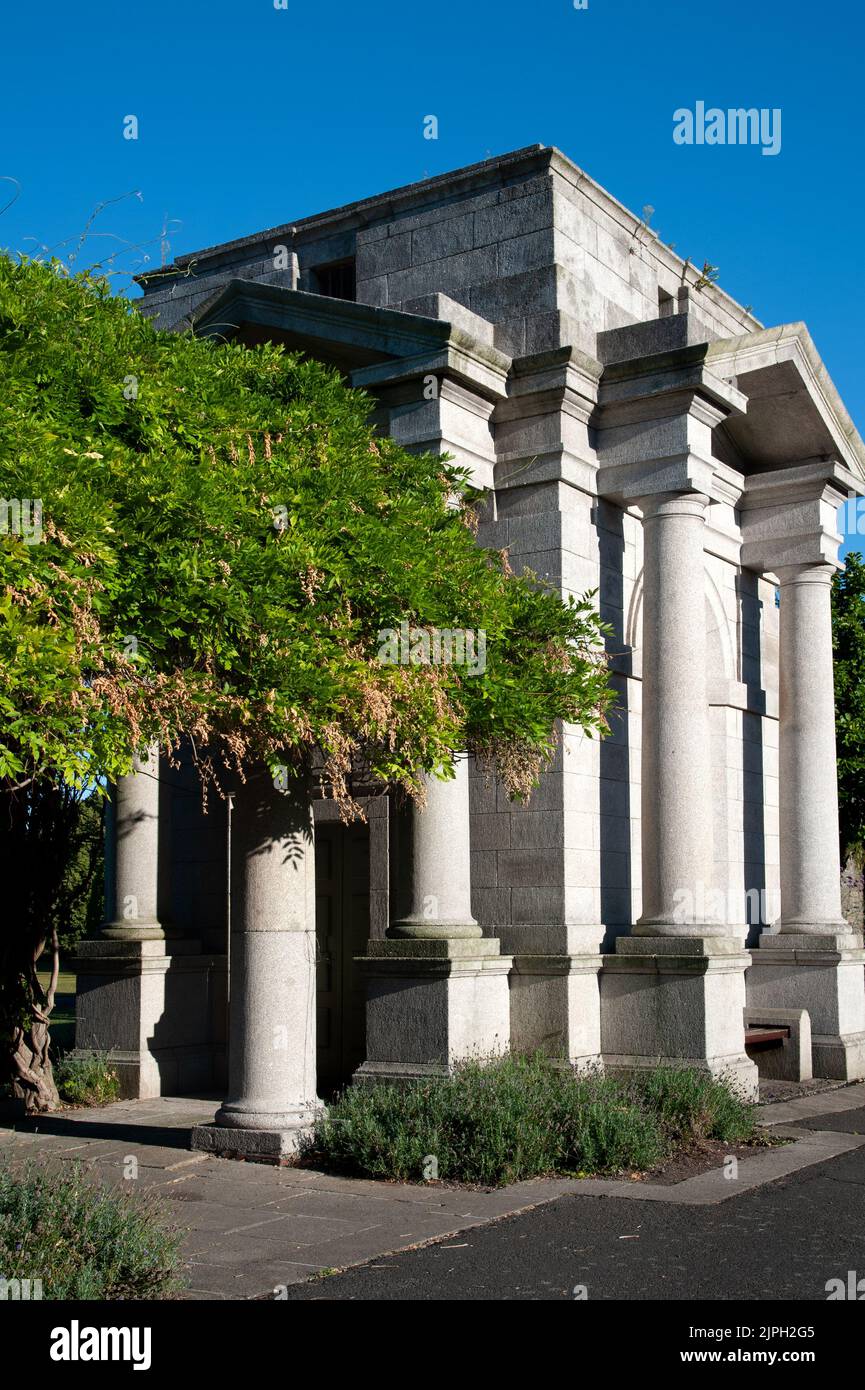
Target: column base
<point>679,931</point>
<point>256,1145</point>
<point>141,931</point>
<point>157,1008</point>
<point>677,1002</point>
<point>432,1004</point>
<point>823,973</point>
<point>810,929</point>
<point>409,930</point>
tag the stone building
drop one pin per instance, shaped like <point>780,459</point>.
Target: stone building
<point>641,434</point>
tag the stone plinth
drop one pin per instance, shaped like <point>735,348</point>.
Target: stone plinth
<point>556,998</point>
<point>158,1009</point>
<point>431,1004</point>
<point>437,989</point>
<point>823,974</point>
<point>258,1145</point>
<point>677,1002</point>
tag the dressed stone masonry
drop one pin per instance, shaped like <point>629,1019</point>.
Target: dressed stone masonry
<point>438,989</point>
<point>635,435</point>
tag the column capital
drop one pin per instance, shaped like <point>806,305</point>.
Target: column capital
<point>789,517</point>
<point>663,504</point>
<point>820,572</point>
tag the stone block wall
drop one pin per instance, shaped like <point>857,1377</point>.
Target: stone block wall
<point>529,256</point>
<point>526,243</point>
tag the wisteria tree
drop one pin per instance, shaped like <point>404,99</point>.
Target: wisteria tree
<point>204,543</point>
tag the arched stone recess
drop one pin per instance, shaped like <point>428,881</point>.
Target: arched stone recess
<point>722,654</point>
<point>634,625</point>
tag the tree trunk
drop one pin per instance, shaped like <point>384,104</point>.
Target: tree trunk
<point>32,1073</point>
<point>853,889</point>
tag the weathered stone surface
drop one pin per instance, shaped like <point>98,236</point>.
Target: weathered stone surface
<point>157,1008</point>
<point>427,1012</point>
<point>647,441</point>
<point>677,1001</point>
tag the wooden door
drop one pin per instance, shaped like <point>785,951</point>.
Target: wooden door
<point>342,930</point>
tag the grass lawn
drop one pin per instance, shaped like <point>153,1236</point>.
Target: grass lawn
<point>66,983</point>
<point>63,1017</point>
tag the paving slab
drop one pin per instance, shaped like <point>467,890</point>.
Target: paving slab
<point>253,1229</point>
<point>821,1103</point>
<point>842,1122</point>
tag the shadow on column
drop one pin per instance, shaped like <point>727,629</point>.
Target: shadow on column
<point>614,761</point>
<point>753,785</point>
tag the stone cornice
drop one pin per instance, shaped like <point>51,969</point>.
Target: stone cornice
<point>652,386</point>
<point>813,480</point>
<point>459,359</point>
<point>387,332</point>
<point>791,345</point>
<point>561,379</point>
<point>626,483</point>
<point>379,346</point>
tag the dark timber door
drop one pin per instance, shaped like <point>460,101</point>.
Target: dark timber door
<point>342,930</point>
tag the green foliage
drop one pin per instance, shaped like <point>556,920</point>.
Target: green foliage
<point>52,861</point>
<point>163,600</point>
<point>83,1241</point>
<point>523,1117</point>
<point>87,1079</point>
<point>82,887</point>
<point>848,636</point>
<point>694,1106</point>
<point>708,276</point>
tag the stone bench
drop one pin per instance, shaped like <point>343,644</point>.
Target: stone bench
<point>779,1042</point>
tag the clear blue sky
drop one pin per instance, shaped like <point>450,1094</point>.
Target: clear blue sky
<point>250,116</point>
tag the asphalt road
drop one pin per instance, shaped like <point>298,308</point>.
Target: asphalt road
<point>782,1241</point>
